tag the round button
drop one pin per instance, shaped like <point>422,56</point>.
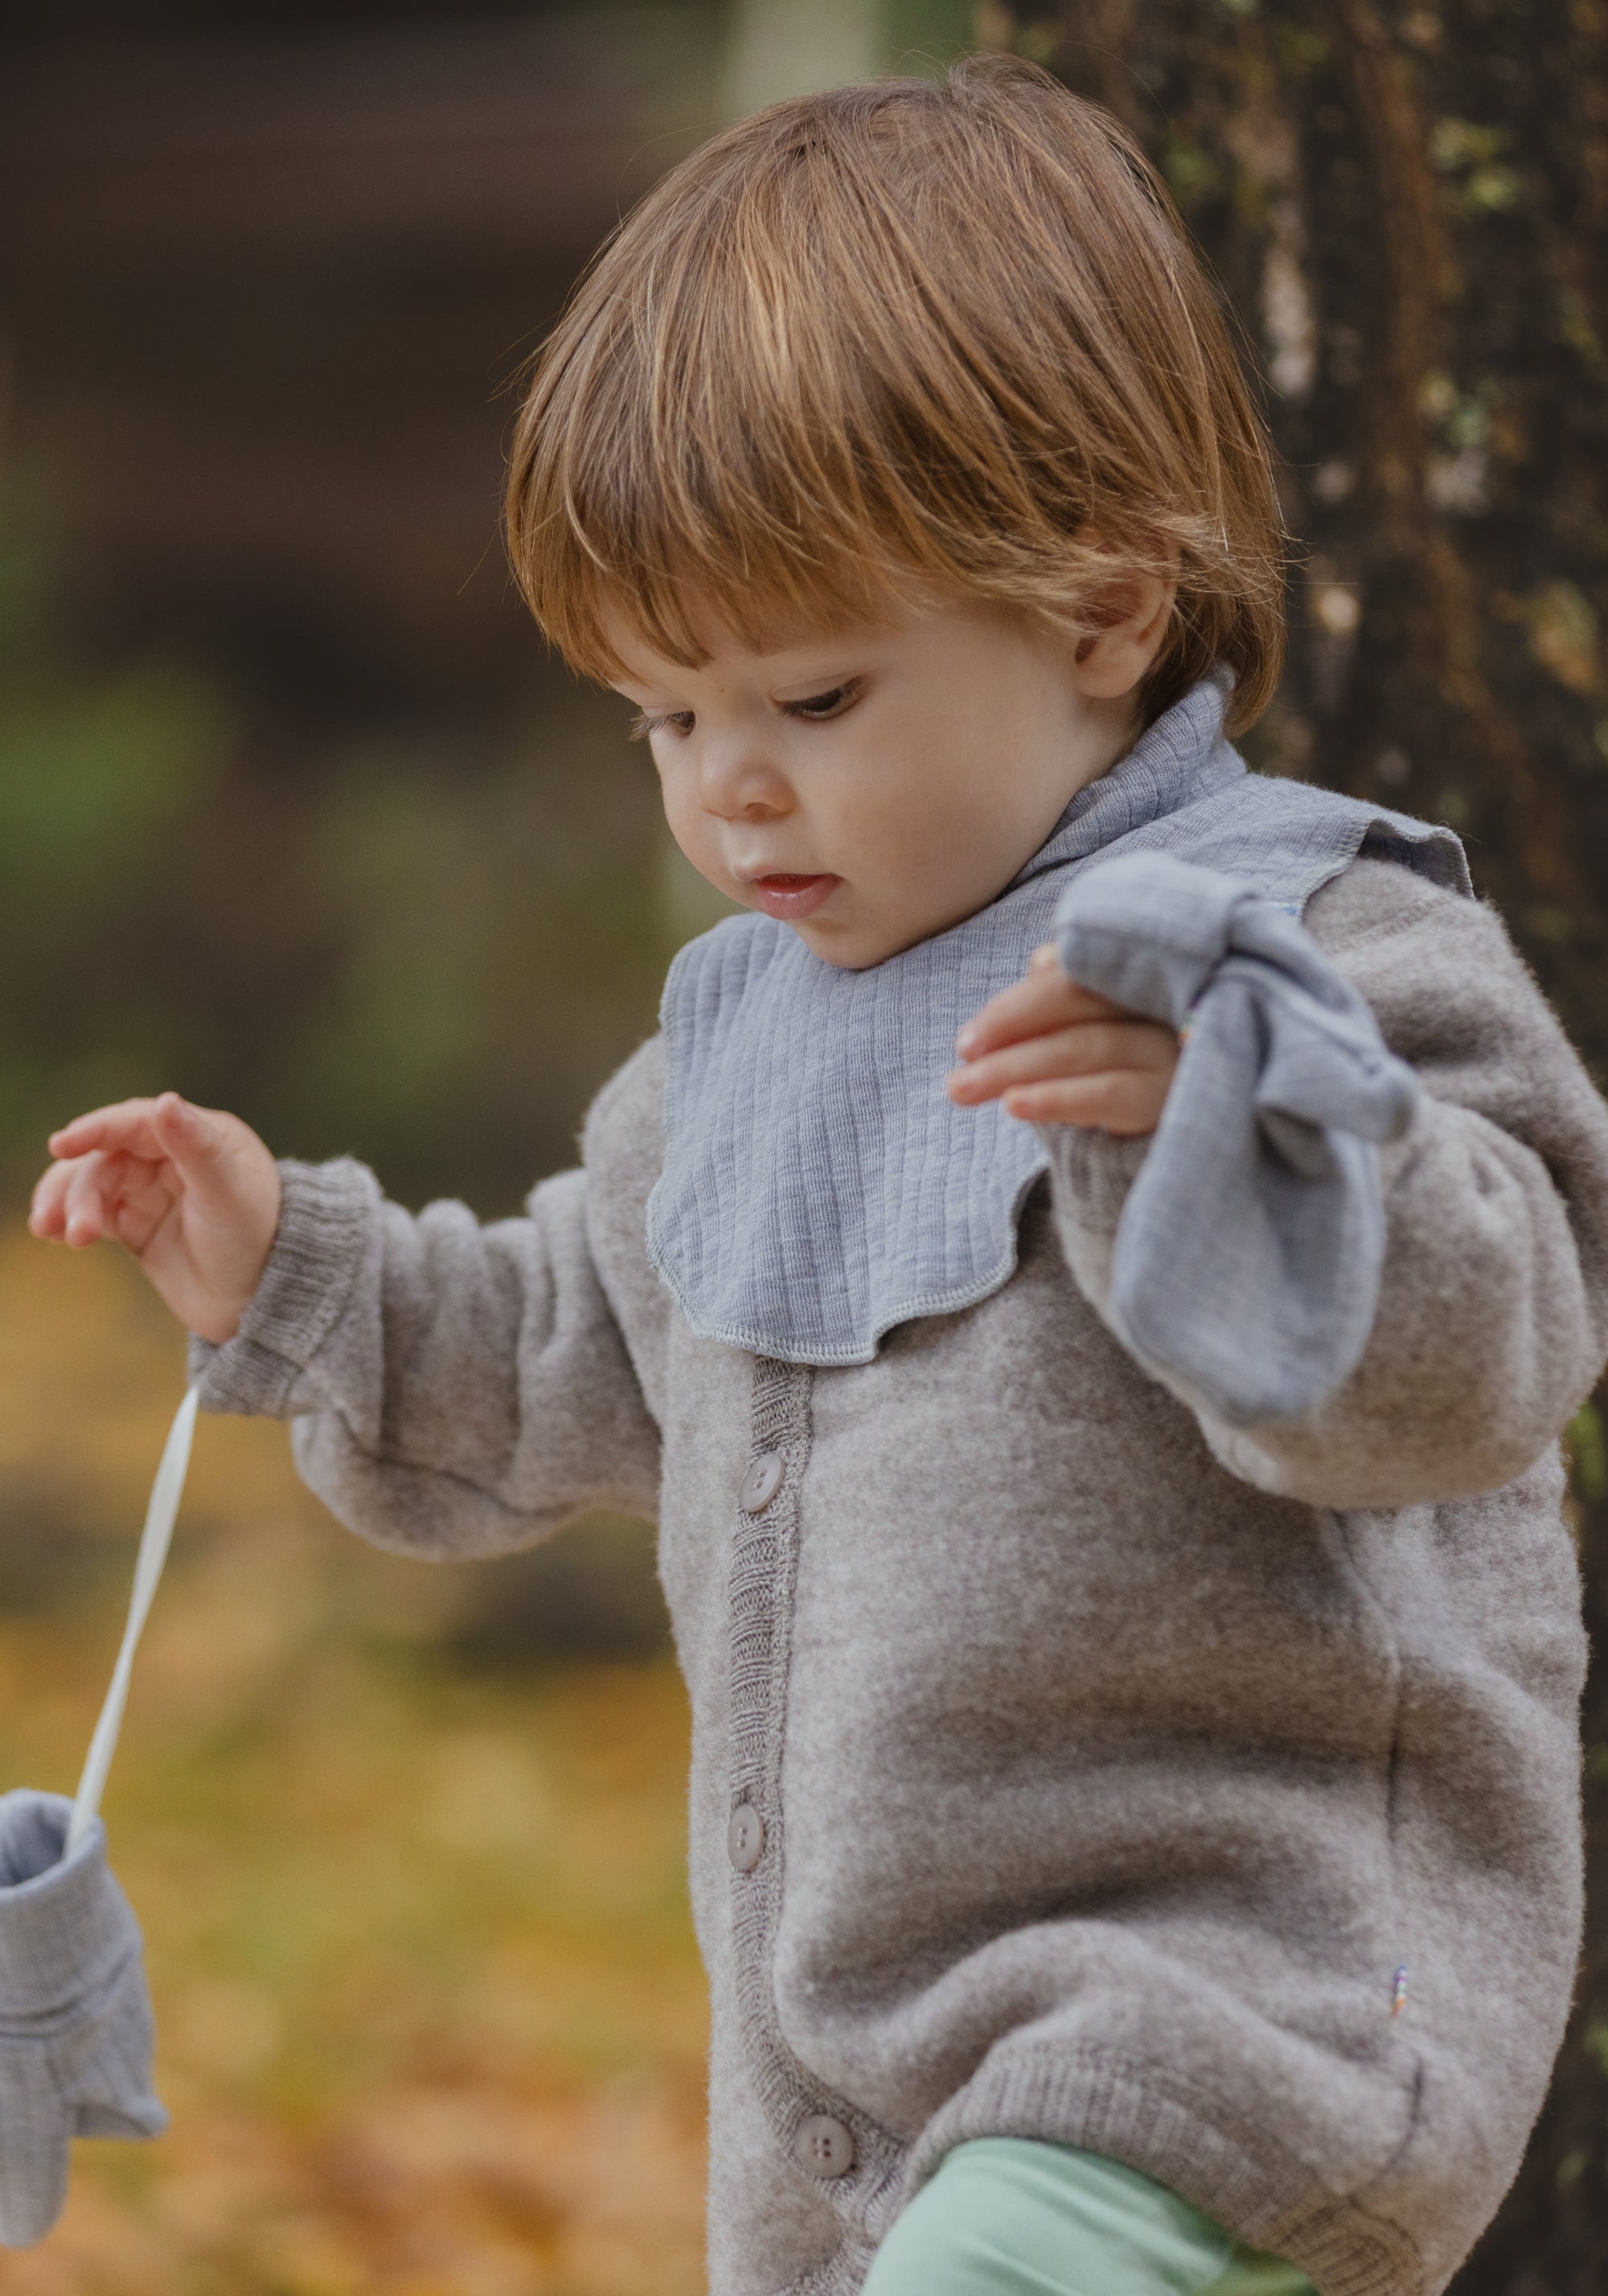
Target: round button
<point>761,1483</point>
<point>745,1838</point>
<point>823,2147</point>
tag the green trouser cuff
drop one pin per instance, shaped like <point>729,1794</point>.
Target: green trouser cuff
<point>1006,2216</point>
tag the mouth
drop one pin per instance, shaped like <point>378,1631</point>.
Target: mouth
<point>782,894</point>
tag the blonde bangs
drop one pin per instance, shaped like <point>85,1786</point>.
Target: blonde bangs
<point>895,343</point>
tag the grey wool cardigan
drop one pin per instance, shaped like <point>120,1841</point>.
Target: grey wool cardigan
<point>1067,1763</point>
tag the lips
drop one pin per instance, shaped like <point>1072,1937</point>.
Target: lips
<point>782,893</point>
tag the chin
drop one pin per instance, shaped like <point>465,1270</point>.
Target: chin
<point>848,951</point>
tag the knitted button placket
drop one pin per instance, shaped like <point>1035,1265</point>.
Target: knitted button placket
<point>745,1838</point>
<point>852,2162</point>
<point>761,1482</point>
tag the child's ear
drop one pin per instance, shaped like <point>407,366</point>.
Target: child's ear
<point>1133,615</point>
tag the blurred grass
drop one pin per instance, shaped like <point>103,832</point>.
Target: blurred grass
<point>430,2016</point>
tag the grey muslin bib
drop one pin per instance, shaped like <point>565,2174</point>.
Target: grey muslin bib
<point>819,1186</point>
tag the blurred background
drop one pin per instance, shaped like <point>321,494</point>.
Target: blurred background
<point>296,814</point>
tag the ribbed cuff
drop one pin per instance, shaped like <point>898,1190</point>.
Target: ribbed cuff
<point>65,1926</point>
<point>1092,1172</point>
<point>1100,2102</point>
<point>326,1212</point>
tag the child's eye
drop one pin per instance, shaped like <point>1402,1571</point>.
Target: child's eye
<point>649,722</point>
<point>829,704</point>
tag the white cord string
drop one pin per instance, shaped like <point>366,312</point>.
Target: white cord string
<point>166,1493</point>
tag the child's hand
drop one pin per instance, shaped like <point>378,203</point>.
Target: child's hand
<point>192,1192</point>
<point>1056,1054</point>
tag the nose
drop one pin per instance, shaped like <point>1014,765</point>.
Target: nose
<point>736,782</point>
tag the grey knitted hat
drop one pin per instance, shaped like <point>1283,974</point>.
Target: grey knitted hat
<point>75,2014</point>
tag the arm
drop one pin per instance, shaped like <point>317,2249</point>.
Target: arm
<point>1493,1313</point>
<point>457,1390</point>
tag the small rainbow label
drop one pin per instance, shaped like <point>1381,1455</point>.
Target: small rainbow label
<point>1399,1992</point>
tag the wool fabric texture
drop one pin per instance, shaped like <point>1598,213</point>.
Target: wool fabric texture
<point>1007,2217</point>
<point>75,2013</point>
<point>1067,1763</point>
<point>819,1185</point>
<point>1284,1090</point>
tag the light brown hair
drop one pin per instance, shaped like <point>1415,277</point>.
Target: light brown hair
<point>910,339</point>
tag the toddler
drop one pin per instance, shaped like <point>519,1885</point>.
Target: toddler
<point>1108,1488</point>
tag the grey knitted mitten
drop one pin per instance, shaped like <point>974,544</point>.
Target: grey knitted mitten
<point>75,2014</point>
<point>1247,1260</point>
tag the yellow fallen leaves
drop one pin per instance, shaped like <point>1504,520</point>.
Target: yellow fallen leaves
<point>431,2022</point>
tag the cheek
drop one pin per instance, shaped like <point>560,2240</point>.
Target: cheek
<point>947,774</point>
<point>678,795</point>
<point>938,824</point>
<point>876,801</point>
<point>697,836</point>
<point>865,813</point>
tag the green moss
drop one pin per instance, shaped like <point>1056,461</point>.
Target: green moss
<point>1587,1453</point>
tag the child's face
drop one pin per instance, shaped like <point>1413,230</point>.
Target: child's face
<point>873,786</point>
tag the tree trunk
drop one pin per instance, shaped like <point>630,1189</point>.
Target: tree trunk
<point>1406,206</point>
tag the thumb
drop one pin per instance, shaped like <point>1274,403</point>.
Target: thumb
<point>198,1142</point>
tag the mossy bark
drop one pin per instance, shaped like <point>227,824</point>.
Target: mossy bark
<point>1405,205</point>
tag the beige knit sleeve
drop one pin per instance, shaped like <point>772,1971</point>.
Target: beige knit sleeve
<point>1492,1322</point>
<point>457,1388</point>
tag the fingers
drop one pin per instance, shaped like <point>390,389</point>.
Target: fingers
<point>1125,1101</point>
<point>48,1211</point>
<point>144,1198</point>
<point>90,1191</point>
<point>1046,999</point>
<point>199,1208</point>
<point>78,1202</point>
<point>126,1128</point>
<point>97,1195</point>
<point>45,1209</point>
<point>1089,1048</point>
<point>1052,1052</point>
<point>200,1142</point>
<point>107,1178</point>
